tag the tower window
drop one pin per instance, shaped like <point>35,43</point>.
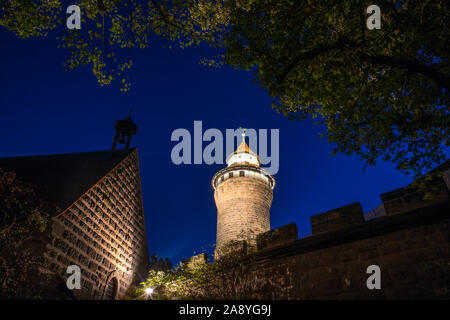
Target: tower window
<point>222,178</point>
<point>230,175</point>
<point>241,173</point>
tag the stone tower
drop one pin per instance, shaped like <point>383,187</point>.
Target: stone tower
<point>243,194</point>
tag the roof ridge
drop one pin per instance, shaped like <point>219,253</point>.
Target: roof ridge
<point>70,154</point>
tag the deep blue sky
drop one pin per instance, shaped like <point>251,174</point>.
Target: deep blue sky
<point>45,110</point>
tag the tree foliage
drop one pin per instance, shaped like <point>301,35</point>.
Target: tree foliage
<point>380,94</point>
<point>30,18</point>
<point>111,28</point>
<point>24,222</point>
<point>232,276</point>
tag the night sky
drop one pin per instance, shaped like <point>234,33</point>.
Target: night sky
<point>45,110</point>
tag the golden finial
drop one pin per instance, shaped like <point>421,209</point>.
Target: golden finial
<point>243,133</point>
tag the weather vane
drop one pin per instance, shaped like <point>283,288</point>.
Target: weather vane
<point>243,133</point>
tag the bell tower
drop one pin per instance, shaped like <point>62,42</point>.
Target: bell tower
<point>243,193</point>
<point>125,130</point>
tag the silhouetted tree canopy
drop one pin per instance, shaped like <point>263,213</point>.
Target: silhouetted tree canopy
<point>382,94</point>
<point>24,232</point>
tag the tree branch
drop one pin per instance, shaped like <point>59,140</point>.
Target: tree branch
<point>341,44</point>
<point>164,16</point>
<point>441,79</point>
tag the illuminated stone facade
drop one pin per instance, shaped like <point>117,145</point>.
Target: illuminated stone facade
<point>103,232</point>
<point>243,195</point>
<point>100,226</point>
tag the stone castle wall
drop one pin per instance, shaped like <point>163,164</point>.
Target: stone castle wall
<point>410,245</point>
<point>414,262</point>
<point>103,233</point>
<point>243,209</point>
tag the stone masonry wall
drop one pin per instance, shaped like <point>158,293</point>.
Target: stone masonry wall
<point>411,248</point>
<point>243,209</point>
<point>103,233</point>
<point>337,219</point>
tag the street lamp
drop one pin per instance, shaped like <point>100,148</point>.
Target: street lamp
<point>149,291</point>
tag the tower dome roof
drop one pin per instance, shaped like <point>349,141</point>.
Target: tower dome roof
<point>243,156</point>
<point>243,147</point>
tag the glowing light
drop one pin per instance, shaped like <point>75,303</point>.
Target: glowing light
<point>149,291</point>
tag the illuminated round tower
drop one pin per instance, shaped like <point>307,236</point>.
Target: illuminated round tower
<point>243,193</point>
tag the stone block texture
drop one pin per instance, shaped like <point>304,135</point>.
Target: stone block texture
<point>103,232</point>
<point>277,237</point>
<point>404,199</point>
<point>243,209</point>
<point>410,197</point>
<point>411,249</point>
<point>336,219</point>
<point>410,245</point>
<point>198,259</point>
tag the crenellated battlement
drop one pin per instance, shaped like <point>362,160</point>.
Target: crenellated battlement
<point>350,218</point>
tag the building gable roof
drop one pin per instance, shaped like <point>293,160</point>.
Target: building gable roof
<point>63,178</point>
